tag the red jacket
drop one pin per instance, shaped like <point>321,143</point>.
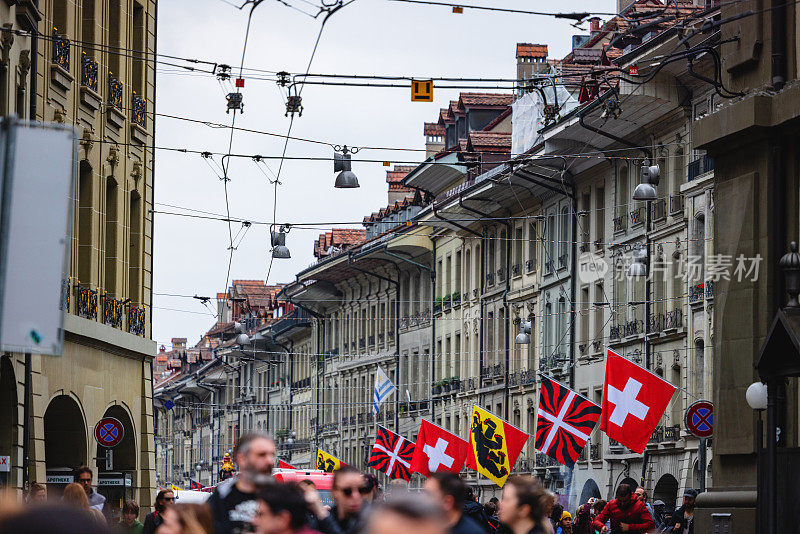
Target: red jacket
<point>636,515</point>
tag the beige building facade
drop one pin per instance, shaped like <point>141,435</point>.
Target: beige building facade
<point>89,64</point>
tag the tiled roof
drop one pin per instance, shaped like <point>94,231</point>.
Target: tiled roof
<point>255,292</point>
<point>409,200</point>
<point>531,50</point>
<point>443,118</point>
<point>495,141</point>
<point>395,177</point>
<point>433,128</point>
<point>484,99</point>
<point>337,237</point>
<point>218,328</point>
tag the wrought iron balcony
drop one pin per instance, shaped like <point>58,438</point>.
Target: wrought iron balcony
<point>548,266</point>
<point>437,307</point>
<point>489,279</point>
<point>634,327</point>
<point>136,320</point>
<point>584,456</point>
<point>475,293</point>
<point>88,72</point>
<point>562,261</point>
<point>522,378</point>
<point>86,299</point>
<point>709,289</point>
<point>595,451</point>
<point>371,340</point>
<point>492,371</point>
<point>112,311</point>
<point>114,92</point>
<point>620,223</point>
<point>597,345</point>
<point>501,275</point>
<point>516,269</point>
<point>637,216</point>
<point>138,110</point>
<point>615,332</point>
<point>446,302</point>
<point>659,209</point>
<point>301,384</point>
<point>530,265</point>
<point>696,293</point>
<point>542,460</point>
<point>674,319</point>
<point>700,167</point>
<point>61,47</point>
<point>456,298</point>
<point>676,204</point>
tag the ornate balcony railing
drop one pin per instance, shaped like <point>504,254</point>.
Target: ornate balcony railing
<point>595,451</point>
<point>523,377</point>
<point>136,320</point>
<point>516,269</point>
<point>530,265</point>
<point>634,327</point>
<point>86,302</point>
<point>112,311</point>
<point>456,298</point>
<point>709,293</point>
<point>696,293</point>
<point>65,294</point>
<point>584,456</point>
<point>475,293</point>
<point>303,383</point>
<point>620,223</point>
<point>637,216</point>
<point>404,322</point>
<point>446,302</point>
<point>492,371</point>
<point>501,275</point>
<point>659,209</point>
<point>615,332</point>
<point>437,307</point>
<point>542,460</point>
<point>138,110</point>
<point>468,385</point>
<point>674,319</point>
<point>665,434</point>
<point>88,72</point>
<point>371,340</point>
<point>489,279</point>
<point>562,261</point>
<point>114,92</point>
<point>60,50</point>
<point>699,167</point>
<point>549,266</point>
<point>676,204</point>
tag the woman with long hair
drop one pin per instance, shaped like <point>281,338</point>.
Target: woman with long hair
<point>523,508</point>
<point>186,519</point>
<point>74,496</point>
<point>152,520</point>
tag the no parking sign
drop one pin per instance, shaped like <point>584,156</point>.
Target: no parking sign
<point>109,432</point>
<point>699,419</point>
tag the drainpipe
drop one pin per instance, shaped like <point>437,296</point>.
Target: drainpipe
<point>34,63</point>
<point>433,324</point>
<point>505,302</point>
<point>778,24</point>
<point>26,429</point>
<point>572,285</point>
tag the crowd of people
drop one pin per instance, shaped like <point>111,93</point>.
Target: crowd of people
<point>253,502</point>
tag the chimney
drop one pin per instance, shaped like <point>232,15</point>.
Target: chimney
<point>594,24</point>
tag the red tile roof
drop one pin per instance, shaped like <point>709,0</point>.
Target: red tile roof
<point>395,177</point>
<point>433,128</point>
<point>484,99</point>
<point>338,237</point>
<point>490,141</point>
<point>409,200</point>
<point>531,50</point>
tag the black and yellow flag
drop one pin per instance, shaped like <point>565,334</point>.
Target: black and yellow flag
<point>494,446</point>
<point>327,462</point>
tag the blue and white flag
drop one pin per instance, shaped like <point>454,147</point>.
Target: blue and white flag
<point>383,388</point>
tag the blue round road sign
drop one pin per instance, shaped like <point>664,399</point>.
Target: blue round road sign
<point>109,432</point>
<point>699,419</point>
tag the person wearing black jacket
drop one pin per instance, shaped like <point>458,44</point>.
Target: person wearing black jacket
<point>683,518</point>
<point>154,519</point>
<point>449,491</point>
<point>476,512</point>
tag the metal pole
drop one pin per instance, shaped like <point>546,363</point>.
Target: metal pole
<point>26,428</point>
<point>772,457</point>
<point>701,458</point>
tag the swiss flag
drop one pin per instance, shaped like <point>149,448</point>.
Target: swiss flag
<point>438,450</point>
<point>634,399</point>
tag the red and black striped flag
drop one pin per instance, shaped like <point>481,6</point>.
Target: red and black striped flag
<point>566,420</point>
<point>392,454</point>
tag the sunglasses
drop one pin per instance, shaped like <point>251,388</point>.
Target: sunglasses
<point>363,490</point>
<point>169,499</point>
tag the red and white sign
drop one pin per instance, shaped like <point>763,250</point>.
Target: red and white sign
<point>109,432</point>
<point>438,450</point>
<point>5,464</point>
<point>699,419</point>
<point>634,399</point>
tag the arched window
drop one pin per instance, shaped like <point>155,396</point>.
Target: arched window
<point>85,222</point>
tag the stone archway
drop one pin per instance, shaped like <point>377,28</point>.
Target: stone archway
<point>8,420</point>
<point>117,483</point>
<point>65,445</point>
<point>590,489</point>
<point>666,490</point>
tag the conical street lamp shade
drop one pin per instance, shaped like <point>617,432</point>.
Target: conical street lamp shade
<point>346,180</point>
<point>639,266</point>
<point>644,192</point>
<point>281,252</point>
<point>522,339</point>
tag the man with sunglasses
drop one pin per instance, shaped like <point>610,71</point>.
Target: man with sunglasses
<point>154,519</point>
<point>349,496</point>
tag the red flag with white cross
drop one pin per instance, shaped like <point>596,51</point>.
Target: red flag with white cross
<point>438,450</point>
<point>634,399</point>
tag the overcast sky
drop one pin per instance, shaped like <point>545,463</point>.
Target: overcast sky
<point>366,37</point>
